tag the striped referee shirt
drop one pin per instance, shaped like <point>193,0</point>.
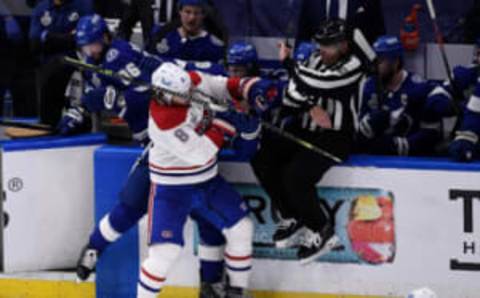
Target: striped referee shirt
<point>335,88</point>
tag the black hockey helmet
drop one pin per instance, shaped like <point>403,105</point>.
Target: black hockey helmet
<point>331,31</point>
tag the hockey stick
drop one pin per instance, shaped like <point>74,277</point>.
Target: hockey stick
<point>215,104</point>
<point>301,142</point>
<point>441,45</point>
<point>204,99</point>
<point>363,44</point>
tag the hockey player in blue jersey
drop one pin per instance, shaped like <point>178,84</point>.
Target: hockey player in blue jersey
<point>188,41</point>
<point>53,23</point>
<point>51,34</point>
<point>242,60</point>
<point>401,113</point>
<point>130,103</point>
<point>465,146</point>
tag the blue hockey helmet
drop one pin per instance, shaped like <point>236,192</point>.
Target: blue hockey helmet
<point>90,29</point>
<point>388,46</point>
<point>182,3</point>
<point>242,53</point>
<point>304,51</point>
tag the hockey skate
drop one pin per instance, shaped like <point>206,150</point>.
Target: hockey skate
<point>86,263</point>
<point>287,231</point>
<point>234,292</point>
<point>317,244</point>
<point>212,290</point>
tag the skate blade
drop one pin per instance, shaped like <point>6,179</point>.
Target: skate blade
<point>331,244</point>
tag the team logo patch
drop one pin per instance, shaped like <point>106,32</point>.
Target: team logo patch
<point>112,55</point>
<point>73,17</point>
<point>109,98</point>
<point>46,19</point>
<point>163,47</point>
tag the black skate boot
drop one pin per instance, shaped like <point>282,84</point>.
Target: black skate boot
<point>317,244</point>
<point>287,232</point>
<point>234,292</point>
<point>212,290</point>
<point>86,263</point>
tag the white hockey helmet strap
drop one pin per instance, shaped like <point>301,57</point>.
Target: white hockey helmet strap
<point>171,77</point>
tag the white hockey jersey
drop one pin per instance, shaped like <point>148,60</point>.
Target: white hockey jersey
<point>180,154</point>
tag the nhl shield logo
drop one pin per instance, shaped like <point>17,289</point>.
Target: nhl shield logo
<point>162,47</point>
<point>46,19</point>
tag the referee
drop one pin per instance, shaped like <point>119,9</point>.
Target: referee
<point>320,106</point>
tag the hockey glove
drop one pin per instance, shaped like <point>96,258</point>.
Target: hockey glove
<point>247,127</point>
<point>463,148</point>
<point>72,122</point>
<point>263,96</point>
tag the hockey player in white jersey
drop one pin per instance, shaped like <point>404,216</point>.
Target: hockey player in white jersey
<point>187,137</point>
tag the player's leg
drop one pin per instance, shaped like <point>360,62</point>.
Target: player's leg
<point>210,251</point>
<point>300,178</point>
<point>269,164</point>
<point>125,214</point>
<point>169,207</point>
<point>225,209</point>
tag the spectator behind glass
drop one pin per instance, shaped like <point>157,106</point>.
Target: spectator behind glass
<point>52,29</point>
<point>189,38</point>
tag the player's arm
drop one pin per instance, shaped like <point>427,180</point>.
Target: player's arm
<point>373,120</point>
<point>248,128</point>
<point>196,141</point>
<point>463,147</point>
<point>42,40</point>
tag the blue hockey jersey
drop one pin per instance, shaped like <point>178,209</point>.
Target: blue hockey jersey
<point>204,47</point>
<point>406,121</point>
<point>130,102</point>
<point>48,18</point>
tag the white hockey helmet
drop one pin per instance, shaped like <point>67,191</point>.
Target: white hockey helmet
<point>173,78</point>
<point>422,293</point>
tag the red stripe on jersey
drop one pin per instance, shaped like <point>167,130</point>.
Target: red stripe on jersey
<point>237,258</point>
<point>216,135</point>
<point>167,117</point>
<point>195,77</point>
<point>233,86</point>
<point>179,168</point>
<point>152,277</point>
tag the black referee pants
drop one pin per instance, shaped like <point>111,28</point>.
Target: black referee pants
<point>289,173</point>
